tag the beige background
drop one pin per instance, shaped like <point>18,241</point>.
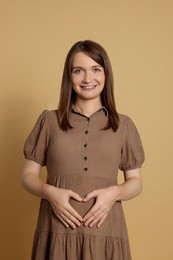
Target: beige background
<point>138,36</point>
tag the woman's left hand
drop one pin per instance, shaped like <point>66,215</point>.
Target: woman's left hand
<point>105,199</point>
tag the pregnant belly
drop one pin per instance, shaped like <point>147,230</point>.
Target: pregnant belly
<point>82,207</point>
<point>81,184</point>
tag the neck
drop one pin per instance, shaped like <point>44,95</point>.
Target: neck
<point>87,107</point>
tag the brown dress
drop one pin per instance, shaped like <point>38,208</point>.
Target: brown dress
<point>83,159</point>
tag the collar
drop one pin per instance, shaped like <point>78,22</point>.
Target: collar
<point>74,110</point>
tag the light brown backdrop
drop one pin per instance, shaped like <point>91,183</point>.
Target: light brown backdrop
<point>138,36</point>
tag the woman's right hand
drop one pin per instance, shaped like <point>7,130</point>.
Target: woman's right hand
<point>59,199</point>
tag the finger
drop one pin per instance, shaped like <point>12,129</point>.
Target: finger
<point>94,218</point>
<point>73,212</point>
<point>93,212</point>
<point>68,221</point>
<point>68,213</point>
<point>90,195</point>
<point>72,218</point>
<point>75,196</point>
<point>61,219</point>
<point>101,220</point>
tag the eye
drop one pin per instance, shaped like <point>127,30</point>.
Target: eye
<point>95,70</point>
<point>77,71</point>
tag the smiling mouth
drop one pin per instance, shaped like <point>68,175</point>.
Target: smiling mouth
<point>88,87</point>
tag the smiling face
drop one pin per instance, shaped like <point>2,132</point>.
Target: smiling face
<point>88,78</point>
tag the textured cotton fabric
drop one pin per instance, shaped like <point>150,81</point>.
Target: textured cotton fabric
<point>83,159</point>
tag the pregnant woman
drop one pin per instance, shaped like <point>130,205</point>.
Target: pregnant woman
<point>83,144</point>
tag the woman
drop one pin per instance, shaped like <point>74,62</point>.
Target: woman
<point>83,144</point>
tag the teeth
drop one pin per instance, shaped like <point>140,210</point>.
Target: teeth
<point>88,86</point>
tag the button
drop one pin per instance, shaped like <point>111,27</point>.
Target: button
<point>85,158</point>
<point>86,132</point>
<point>85,145</point>
<point>85,169</point>
<point>88,118</point>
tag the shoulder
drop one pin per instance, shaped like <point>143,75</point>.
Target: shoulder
<point>126,124</point>
<point>49,114</point>
<point>124,119</point>
<point>48,117</point>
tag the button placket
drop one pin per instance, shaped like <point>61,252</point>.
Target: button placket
<point>85,153</point>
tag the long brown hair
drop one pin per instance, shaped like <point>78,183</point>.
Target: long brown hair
<point>67,95</point>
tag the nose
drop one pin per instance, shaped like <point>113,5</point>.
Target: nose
<point>87,77</point>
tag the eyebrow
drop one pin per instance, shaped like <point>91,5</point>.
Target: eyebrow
<point>79,67</point>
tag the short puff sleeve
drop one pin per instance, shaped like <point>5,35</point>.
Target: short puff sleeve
<point>132,156</point>
<point>36,144</point>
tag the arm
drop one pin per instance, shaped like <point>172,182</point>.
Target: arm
<point>59,198</point>
<point>31,181</point>
<point>132,186</point>
<point>105,198</point>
